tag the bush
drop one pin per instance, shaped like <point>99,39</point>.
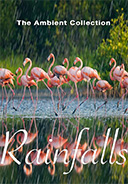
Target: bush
<point>116,45</point>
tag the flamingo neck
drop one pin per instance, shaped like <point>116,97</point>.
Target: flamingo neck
<point>66,61</point>
<point>94,87</point>
<point>19,83</point>
<point>94,144</point>
<point>81,65</point>
<point>49,69</point>
<point>111,143</point>
<point>27,76</point>
<point>51,170</point>
<point>111,77</point>
<point>19,135</point>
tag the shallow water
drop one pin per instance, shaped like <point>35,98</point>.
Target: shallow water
<point>45,108</point>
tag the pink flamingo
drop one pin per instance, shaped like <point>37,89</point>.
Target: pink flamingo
<point>58,70</point>
<point>74,74</point>
<point>87,74</point>
<point>4,83</point>
<point>117,71</point>
<point>54,80</point>
<point>39,75</point>
<point>102,85</point>
<point>6,74</point>
<point>6,78</point>
<point>124,84</point>
<point>26,83</point>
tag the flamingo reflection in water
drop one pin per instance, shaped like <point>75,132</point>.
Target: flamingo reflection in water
<point>30,136</point>
<point>8,159</point>
<point>119,146</point>
<point>100,140</point>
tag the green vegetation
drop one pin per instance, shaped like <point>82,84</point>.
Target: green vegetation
<point>95,45</point>
<point>116,45</point>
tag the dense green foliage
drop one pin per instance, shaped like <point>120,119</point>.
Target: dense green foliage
<point>95,45</point>
<point>116,45</point>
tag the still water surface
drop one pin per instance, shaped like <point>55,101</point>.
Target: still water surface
<point>46,123</point>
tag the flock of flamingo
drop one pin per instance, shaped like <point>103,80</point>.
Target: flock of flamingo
<point>57,77</point>
<point>60,75</point>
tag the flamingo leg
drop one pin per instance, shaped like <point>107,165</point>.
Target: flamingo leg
<point>6,93</point>
<point>77,97</point>
<point>93,94</point>
<point>5,108</point>
<point>30,125</point>
<point>64,107</point>
<point>22,97</point>
<point>62,96</point>
<point>2,98</point>
<point>4,125</point>
<point>125,110</point>
<point>51,97</point>
<point>11,89</point>
<point>53,128</point>
<point>13,93</point>
<point>11,144</point>
<point>23,123</point>
<point>83,100</point>
<point>103,103</point>
<point>7,101</point>
<point>36,132</point>
<point>36,97</point>
<point>31,94</point>
<point>33,119</point>
<point>59,98</point>
<point>73,125</point>
<point>67,82</point>
<point>122,98</point>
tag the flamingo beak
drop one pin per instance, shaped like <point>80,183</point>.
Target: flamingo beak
<point>74,63</point>
<point>48,58</point>
<point>63,63</point>
<point>110,63</point>
<point>24,63</point>
<point>16,72</point>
